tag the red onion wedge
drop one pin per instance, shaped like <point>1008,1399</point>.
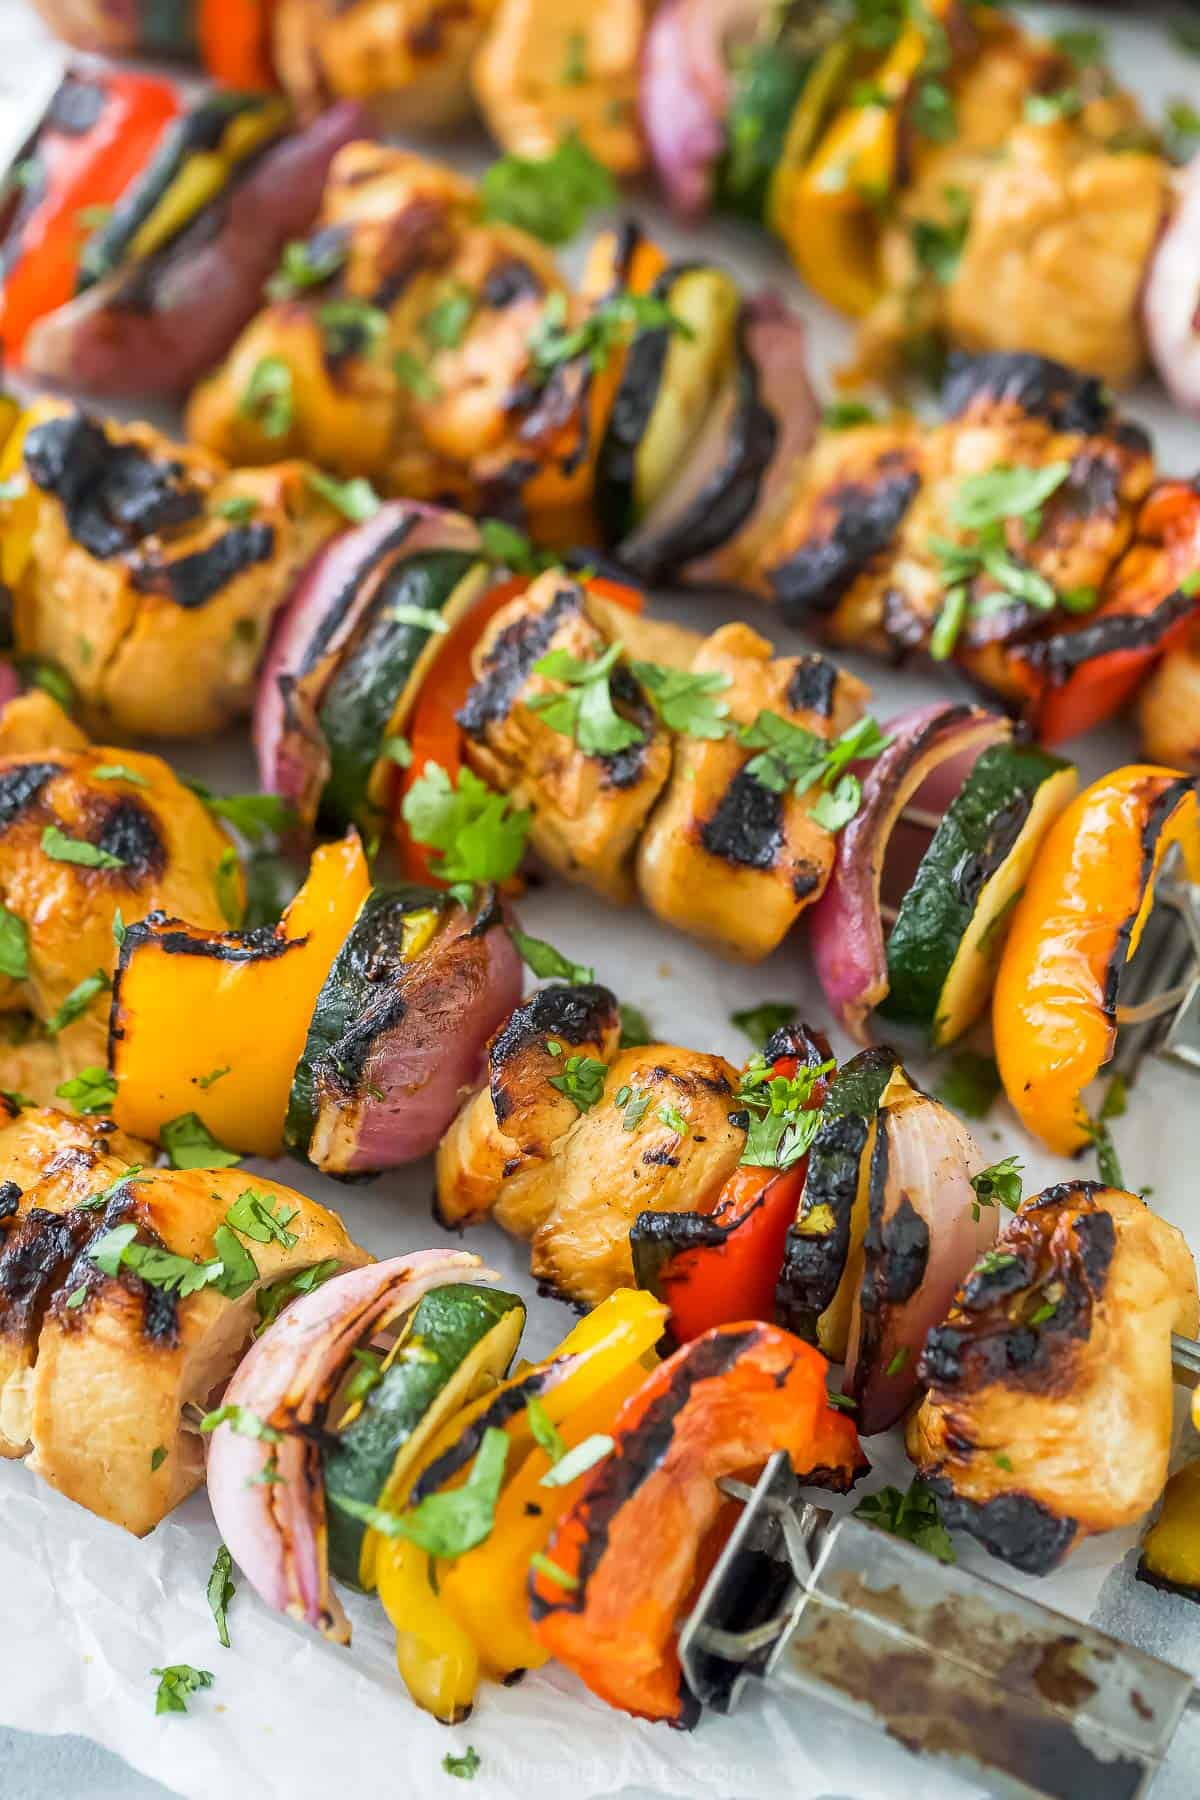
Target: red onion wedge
<point>922,1236</point>
<point>156,326</point>
<point>1169,308</point>
<point>685,91</point>
<point>266,1490</point>
<point>845,924</point>
<point>314,628</point>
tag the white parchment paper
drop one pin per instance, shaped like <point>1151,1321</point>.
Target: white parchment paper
<point>87,1611</point>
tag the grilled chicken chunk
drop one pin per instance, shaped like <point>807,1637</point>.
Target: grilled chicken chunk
<point>1028,226</point>
<point>514,1123</point>
<point>1169,708</point>
<point>148,573</point>
<point>867,549</point>
<point>551,69</point>
<point>567,1148</point>
<point>725,856</point>
<point>85,834</point>
<point>407,58</point>
<point>103,1372</point>
<point>35,721</point>
<point>1049,1411</point>
<point>588,807</point>
<point>410,361</point>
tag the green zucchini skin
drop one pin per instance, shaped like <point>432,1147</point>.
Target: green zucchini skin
<point>814,1261</point>
<point>952,910</point>
<point>359,702</point>
<point>371,952</point>
<point>766,88</point>
<point>447,1327</point>
<point>201,128</point>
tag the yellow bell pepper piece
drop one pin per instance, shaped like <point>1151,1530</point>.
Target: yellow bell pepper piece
<point>18,516</point>
<point>179,1018</point>
<point>1171,1548</point>
<point>435,1656</point>
<point>486,1589</point>
<point>204,173</point>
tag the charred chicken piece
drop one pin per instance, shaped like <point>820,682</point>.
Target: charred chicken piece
<point>726,856</point>
<point>891,518</point>
<point>409,362</point>
<point>655,1129</point>
<point>111,1346</point>
<point>495,1148</point>
<point>1049,1411</point>
<point>85,834</point>
<point>589,805</point>
<point>147,572</point>
<point>408,59</point>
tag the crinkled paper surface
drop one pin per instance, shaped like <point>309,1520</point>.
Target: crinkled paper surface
<point>86,1611</point>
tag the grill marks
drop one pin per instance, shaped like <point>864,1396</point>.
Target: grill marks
<point>123,825</point>
<point>747,825</point>
<point>856,522</point>
<point>510,662</point>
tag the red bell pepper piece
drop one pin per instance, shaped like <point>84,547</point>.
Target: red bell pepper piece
<point>99,132</point>
<point>607,1595</point>
<point>235,42</point>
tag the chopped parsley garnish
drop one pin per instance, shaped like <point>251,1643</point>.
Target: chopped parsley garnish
<point>356,499</point>
<point>118,928</point>
<point>585,710</point>
<point>1000,1185</point>
<point>575,69</point>
<point>792,757</point>
<point>61,848</point>
<point>242,1420</point>
<point>1003,1462</point>
<point>14,946</point>
<point>403,613</point>
<point>546,1434</point>
<point>684,700</point>
<point>94,1202</point>
<point>994,1262</point>
<point>412,374</point>
<point>227,884</point>
<point>673,1119</point>
<point>306,264</point>
<point>970,1084</point>
<point>93,1090</point>
<point>397,750</point>
<point>158,1457</point>
<point>1047,109</point>
<point>898,1361</point>
<point>1047,1308</point>
<point>268,396</point>
<point>984,505</point>
<point>1081,45</point>
<point>938,244</point>
<point>911,1514</point>
<point>610,322</point>
<point>466,1766</point>
<point>239,509</point>
<point>835,807</point>
<point>550,197</point>
<point>760,1023</point>
<point>931,112</point>
<point>118,1249</point>
<point>77,1297</point>
<point>1109,1162</point>
<point>253,816</point>
<point>783,1121</point>
<point>445,1525</point>
<point>634,1103</point>
<point>270,1301</point>
<point>582,1081</point>
<point>220,1592</point>
<point>78,1001</point>
<point>237,1271</point>
<point>176,1684</point>
<point>505,544</point>
<point>254,1215</point>
<point>479,834</point>
<point>189,1144</point>
<point>365,1378</point>
<point>445,324</point>
<point>352,327</point>
<point>635,1027</point>
<point>547,963</point>
<point>118,772</point>
<point>569,1465</point>
<point>52,680</point>
<point>206,1081</point>
<point>844,415</point>
<point>543,1564</point>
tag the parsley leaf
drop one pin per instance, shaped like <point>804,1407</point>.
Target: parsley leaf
<point>760,1023</point>
<point>911,1514</point>
<point>189,1144</point>
<point>239,509</point>
<point>791,756</point>
<point>684,700</point>
<point>268,396</point>
<point>118,772</point>
<point>448,1524</point>
<point>356,500</point>
<point>505,544</point>
<point>158,1457</point>
<point>78,1001</point>
<point>547,963</point>
<point>480,835</point>
<point>635,1027</point>
<point>93,1090</point>
<point>95,1201</point>
<point>783,1121</point>
<point>585,711</point>
<point>118,1249</point>
<point>569,1465</point>
<point>412,374</point>
<point>176,1683</point>
<point>254,1215</point>
<point>270,1301</point>
<point>673,1119</point>
<point>970,1084</point>
<point>352,327</point>
<point>445,324</point>
<point>242,1420</point>
<point>466,1767</point>
<point>833,809</point>
<point>220,1592</point>
<point>14,946</point>
<point>306,264</point>
<point>238,1270</point>
<point>228,887</point>
<point>61,848</point>
<point>582,1081</point>
<point>1000,1184</point>
<point>253,816</point>
<point>546,1434</point>
<point>634,1103</point>
<point>1047,109</point>
<point>938,245</point>
<point>844,415</point>
<point>1005,492</point>
<point>611,322</point>
<point>550,197</point>
<point>544,1565</point>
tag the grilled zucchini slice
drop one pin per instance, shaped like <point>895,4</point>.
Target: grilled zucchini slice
<point>945,945</point>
